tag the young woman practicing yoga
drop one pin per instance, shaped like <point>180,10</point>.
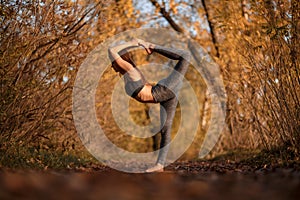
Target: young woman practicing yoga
<point>164,92</point>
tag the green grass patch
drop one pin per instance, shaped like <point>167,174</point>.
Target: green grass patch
<point>18,156</point>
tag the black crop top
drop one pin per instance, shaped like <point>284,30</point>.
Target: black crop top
<point>132,88</point>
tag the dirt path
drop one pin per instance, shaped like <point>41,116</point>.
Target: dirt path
<point>191,180</point>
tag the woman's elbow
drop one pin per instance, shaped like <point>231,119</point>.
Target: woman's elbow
<point>112,54</point>
<point>186,55</point>
<point>110,51</point>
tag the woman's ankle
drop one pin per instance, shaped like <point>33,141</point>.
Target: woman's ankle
<point>157,168</point>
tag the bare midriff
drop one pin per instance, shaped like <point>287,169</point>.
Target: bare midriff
<point>145,95</point>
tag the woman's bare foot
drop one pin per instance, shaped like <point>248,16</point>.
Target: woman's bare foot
<point>157,168</point>
<point>147,45</point>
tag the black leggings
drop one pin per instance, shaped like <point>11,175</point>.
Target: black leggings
<point>166,91</point>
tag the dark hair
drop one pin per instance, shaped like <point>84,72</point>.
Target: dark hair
<point>127,56</point>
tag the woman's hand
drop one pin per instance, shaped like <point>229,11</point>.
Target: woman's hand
<point>147,45</point>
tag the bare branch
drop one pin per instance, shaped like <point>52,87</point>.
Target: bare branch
<point>168,17</point>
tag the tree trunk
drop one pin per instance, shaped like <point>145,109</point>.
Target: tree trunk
<point>212,28</point>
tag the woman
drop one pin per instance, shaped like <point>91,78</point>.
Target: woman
<point>164,92</point>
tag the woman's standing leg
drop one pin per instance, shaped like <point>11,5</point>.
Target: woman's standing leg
<point>167,113</point>
<point>165,92</point>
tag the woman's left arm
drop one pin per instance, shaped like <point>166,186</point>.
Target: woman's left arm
<point>116,57</point>
<point>114,51</point>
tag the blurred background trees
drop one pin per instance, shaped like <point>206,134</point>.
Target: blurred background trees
<point>255,44</point>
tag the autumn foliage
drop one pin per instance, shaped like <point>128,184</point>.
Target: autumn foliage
<point>43,43</point>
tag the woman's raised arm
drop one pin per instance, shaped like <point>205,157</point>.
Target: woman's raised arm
<point>114,51</point>
<point>114,56</point>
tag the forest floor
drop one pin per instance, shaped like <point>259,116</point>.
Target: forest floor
<point>213,179</point>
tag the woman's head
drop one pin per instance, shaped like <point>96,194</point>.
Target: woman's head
<point>125,55</point>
